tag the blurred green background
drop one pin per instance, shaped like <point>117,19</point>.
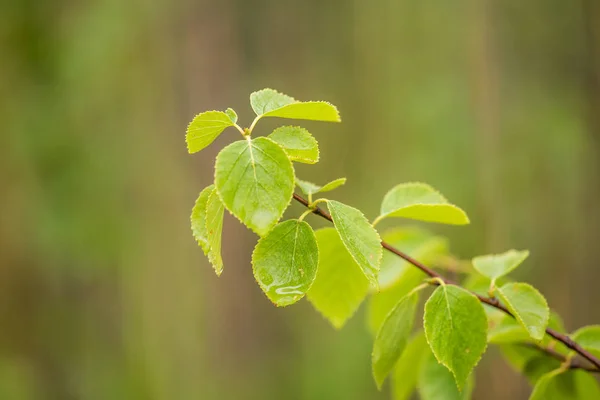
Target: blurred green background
<point>103,292</point>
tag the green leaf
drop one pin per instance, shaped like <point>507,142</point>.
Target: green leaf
<point>232,115</point>
<point>255,180</point>
<point>456,330</point>
<point>589,338</point>
<point>381,303</point>
<point>393,336</point>
<point>298,143</point>
<point>528,306</point>
<point>437,383</point>
<point>198,218</point>
<point>504,329</point>
<point>285,262</point>
<point>270,103</point>
<point>416,242</point>
<point>560,385</point>
<point>205,128</point>
<point>421,202</point>
<point>359,237</point>
<point>340,285</point>
<point>334,184</point>
<point>405,375</point>
<point>267,100</point>
<point>214,227</point>
<point>309,188</point>
<point>497,265</point>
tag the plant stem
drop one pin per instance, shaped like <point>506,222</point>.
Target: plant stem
<point>239,128</point>
<point>254,123</point>
<point>574,364</point>
<point>493,302</point>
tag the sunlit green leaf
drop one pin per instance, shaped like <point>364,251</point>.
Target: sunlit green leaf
<point>205,128</point>
<point>267,100</point>
<point>198,218</point>
<point>340,285</point>
<point>437,383</point>
<point>232,115</point>
<point>589,338</point>
<point>393,336</point>
<point>527,305</point>
<point>334,184</point>
<point>285,262</point>
<point>255,180</point>
<point>406,372</point>
<point>456,330</point>
<point>561,385</point>
<point>496,265</point>
<point>359,237</point>
<point>270,103</point>
<point>309,188</point>
<point>421,202</point>
<point>298,143</point>
<point>214,227</point>
<point>506,329</point>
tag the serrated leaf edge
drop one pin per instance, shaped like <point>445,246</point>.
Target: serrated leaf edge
<point>427,186</point>
<point>187,130</point>
<point>516,313</point>
<point>337,113</point>
<point>509,270</point>
<point>296,101</point>
<point>297,158</point>
<point>374,284</point>
<point>212,257</point>
<point>202,242</point>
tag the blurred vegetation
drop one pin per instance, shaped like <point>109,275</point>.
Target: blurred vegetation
<point>103,292</point>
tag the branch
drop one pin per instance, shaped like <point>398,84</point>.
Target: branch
<point>564,339</point>
<point>573,364</point>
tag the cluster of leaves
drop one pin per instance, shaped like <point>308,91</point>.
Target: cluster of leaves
<point>338,268</point>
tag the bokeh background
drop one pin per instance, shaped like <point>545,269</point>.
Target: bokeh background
<point>103,292</point>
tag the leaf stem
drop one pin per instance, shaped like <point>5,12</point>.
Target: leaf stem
<point>239,128</point>
<point>493,302</point>
<point>418,288</point>
<point>313,204</point>
<point>377,220</point>
<point>304,214</point>
<point>254,124</point>
<point>436,281</point>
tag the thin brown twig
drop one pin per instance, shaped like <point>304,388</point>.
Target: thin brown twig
<point>573,364</point>
<point>564,339</point>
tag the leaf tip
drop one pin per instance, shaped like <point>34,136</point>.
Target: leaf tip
<point>378,381</point>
